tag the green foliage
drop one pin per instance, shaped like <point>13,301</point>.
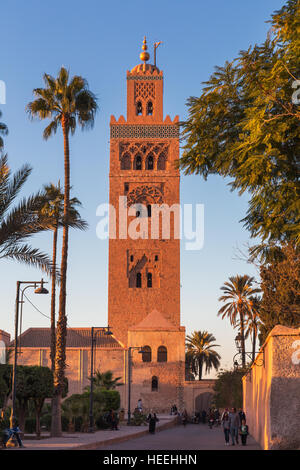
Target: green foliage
<point>5,383</point>
<point>104,381</point>
<point>64,101</point>
<point>76,407</point>
<point>30,425</point>
<point>280,284</point>
<point>52,209</point>
<point>102,421</point>
<point>228,388</point>
<point>19,222</point>
<point>138,418</point>
<point>110,399</point>
<point>244,126</point>
<point>199,353</point>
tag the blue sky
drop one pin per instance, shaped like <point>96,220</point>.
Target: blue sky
<point>101,41</point>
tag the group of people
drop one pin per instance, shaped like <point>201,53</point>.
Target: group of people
<point>234,425</point>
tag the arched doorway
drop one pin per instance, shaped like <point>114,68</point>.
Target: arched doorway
<point>203,401</point>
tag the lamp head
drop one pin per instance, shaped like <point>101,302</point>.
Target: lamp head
<point>41,289</point>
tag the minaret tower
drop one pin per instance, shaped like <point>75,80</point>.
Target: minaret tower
<point>144,271</point>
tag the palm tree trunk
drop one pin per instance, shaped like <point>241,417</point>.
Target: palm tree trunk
<point>61,335</point>
<point>53,298</point>
<point>200,369</point>
<point>253,343</point>
<point>242,331</point>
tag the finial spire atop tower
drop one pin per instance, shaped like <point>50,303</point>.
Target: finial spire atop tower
<point>144,56</point>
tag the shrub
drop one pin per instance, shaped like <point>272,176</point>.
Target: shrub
<point>30,425</point>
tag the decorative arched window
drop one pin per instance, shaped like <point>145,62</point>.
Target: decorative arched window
<point>138,280</point>
<point>126,162</point>
<point>149,279</point>
<point>149,210</point>
<point>154,384</point>
<point>138,163</point>
<point>162,354</point>
<point>139,108</point>
<point>146,354</point>
<point>149,163</point>
<point>161,162</point>
<point>149,108</point>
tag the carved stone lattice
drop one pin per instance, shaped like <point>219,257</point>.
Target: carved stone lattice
<point>144,131</point>
<point>144,91</point>
<point>144,194</point>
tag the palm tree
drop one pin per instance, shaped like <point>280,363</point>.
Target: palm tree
<point>199,352</point>
<point>237,308</point>
<point>3,131</point>
<point>20,222</point>
<point>66,103</point>
<point>51,211</point>
<point>104,381</point>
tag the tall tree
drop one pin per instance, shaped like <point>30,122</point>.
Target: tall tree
<point>237,297</point>
<point>200,352</point>
<point>245,126</point>
<point>3,132</point>
<point>280,285</point>
<point>52,210</point>
<point>67,103</point>
<point>20,222</point>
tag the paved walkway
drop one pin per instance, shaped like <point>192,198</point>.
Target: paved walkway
<point>99,439</point>
<point>192,437</point>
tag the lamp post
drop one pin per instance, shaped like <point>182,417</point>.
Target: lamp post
<point>94,333</point>
<point>140,350</point>
<point>38,290</point>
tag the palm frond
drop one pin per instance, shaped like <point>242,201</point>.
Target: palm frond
<point>30,256</point>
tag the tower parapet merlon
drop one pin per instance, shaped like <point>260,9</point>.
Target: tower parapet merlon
<point>122,120</point>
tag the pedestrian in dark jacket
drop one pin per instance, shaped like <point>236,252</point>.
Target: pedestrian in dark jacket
<point>113,420</point>
<point>152,420</point>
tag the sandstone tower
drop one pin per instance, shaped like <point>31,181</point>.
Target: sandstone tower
<point>144,272</point>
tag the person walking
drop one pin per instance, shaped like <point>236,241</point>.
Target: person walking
<point>152,420</point>
<point>226,427</point>
<point>113,420</point>
<point>244,431</point>
<point>140,405</point>
<point>203,416</point>
<point>242,415</point>
<point>226,411</point>
<point>184,417</point>
<point>234,421</point>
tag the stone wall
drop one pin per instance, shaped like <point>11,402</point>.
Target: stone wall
<point>78,364</point>
<point>272,391</point>
<point>170,374</point>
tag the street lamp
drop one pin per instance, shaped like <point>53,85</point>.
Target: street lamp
<point>94,333</point>
<point>238,342</point>
<point>40,290</point>
<point>140,350</point>
<point>240,353</point>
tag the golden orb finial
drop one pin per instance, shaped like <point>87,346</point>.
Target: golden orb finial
<point>144,56</point>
